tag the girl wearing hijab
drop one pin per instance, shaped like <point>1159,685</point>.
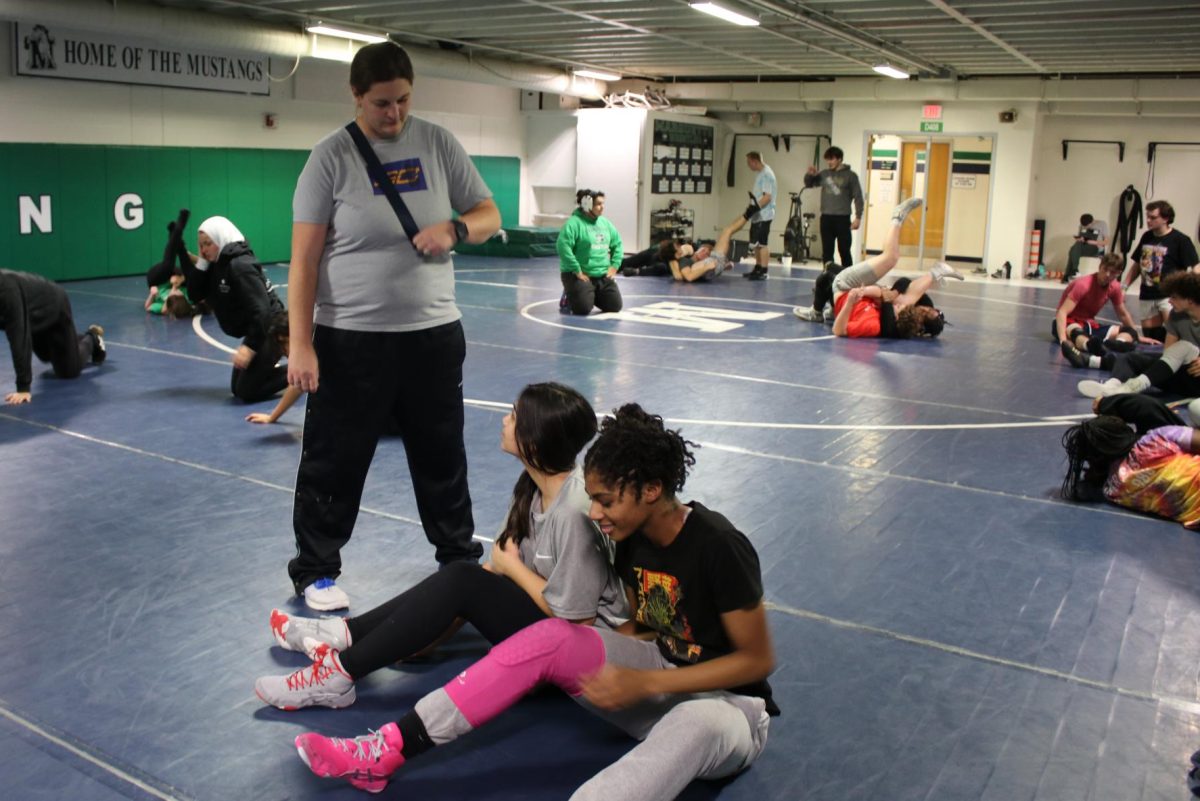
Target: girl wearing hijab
<point>229,277</point>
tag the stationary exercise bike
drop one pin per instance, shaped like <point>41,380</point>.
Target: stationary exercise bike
<point>797,241</point>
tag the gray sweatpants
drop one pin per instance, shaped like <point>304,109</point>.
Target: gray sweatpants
<point>856,275</point>
<point>684,737</point>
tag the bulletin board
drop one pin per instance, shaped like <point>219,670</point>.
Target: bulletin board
<point>682,162</point>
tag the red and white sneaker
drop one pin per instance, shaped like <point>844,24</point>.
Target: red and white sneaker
<point>325,683</point>
<point>305,633</point>
<point>367,762</point>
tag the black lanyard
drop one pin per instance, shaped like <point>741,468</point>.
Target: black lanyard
<point>379,176</point>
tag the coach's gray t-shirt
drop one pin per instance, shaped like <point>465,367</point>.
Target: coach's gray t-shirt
<point>567,550</point>
<point>370,278</point>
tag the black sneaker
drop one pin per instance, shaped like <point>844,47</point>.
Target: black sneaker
<point>756,275</point>
<point>1072,354</point>
<point>564,305</point>
<point>99,353</point>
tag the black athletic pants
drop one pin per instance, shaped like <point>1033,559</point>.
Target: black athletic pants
<point>823,285</point>
<point>263,378</point>
<point>645,262</point>
<point>417,617</point>
<point>1178,382</point>
<point>63,347</point>
<point>601,292</point>
<point>368,381</point>
<point>1145,412</point>
<point>835,229</point>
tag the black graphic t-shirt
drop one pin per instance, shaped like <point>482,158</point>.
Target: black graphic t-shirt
<point>682,590</point>
<point>1159,257</point>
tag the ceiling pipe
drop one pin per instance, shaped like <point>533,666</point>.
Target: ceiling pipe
<point>882,49</point>
<point>962,18</point>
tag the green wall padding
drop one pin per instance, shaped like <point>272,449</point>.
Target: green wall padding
<point>502,174</point>
<point>252,187</point>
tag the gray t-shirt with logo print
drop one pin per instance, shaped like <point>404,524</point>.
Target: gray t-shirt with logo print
<point>370,278</point>
<point>565,548</point>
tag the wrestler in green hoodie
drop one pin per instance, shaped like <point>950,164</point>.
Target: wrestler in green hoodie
<point>589,252</point>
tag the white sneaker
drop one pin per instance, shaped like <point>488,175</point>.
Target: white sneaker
<point>305,633</point>
<point>324,683</point>
<point>941,271</point>
<point>830,315</point>
<point>324,595</point>
<point>1113,386</point>
<point>808,314</point>
<point>901,212</point>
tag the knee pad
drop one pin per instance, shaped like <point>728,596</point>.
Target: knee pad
<point>553,651</point>
<point>1194,412</point>
<point>538,641</point>
<point>532,642</point>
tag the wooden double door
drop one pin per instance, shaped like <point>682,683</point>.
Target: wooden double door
<point>925,172</point>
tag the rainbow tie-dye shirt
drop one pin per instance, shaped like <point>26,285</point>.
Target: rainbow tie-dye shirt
<point>1160,475</point>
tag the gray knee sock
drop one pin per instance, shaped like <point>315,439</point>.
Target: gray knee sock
<point>441,717</point>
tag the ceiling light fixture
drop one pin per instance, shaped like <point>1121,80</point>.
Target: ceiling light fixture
<point>725,14</point>
<point>891,72</point>
<point>598,75</point>
<point>325,30</point>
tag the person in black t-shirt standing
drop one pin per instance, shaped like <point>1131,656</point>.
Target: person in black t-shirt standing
<point>1162,250</point>
<point>696,694</point>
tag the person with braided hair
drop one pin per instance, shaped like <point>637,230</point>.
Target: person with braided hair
<point>1156,472</point>
<point>692,687</point>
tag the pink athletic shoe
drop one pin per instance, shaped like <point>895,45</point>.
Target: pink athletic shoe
<point>367,762</point>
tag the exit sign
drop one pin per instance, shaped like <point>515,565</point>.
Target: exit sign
<point>931,112</point>
<point>931,127</point>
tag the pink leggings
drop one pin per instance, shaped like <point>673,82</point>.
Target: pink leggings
<point>553,651</point>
